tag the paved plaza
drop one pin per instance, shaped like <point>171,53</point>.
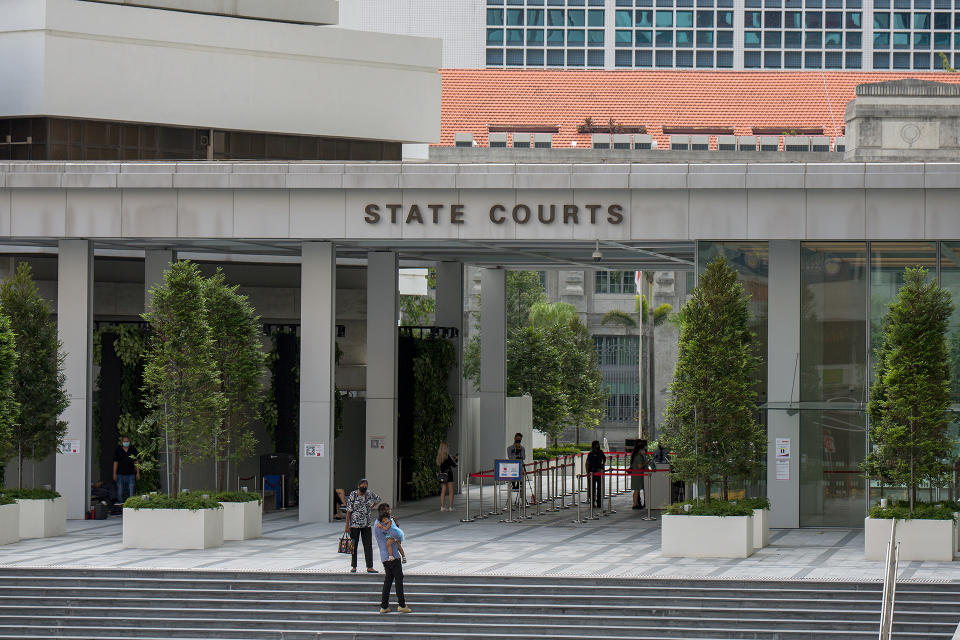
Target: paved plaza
<point>618,545</point>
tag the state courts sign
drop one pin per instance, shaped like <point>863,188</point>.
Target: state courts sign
<point>497,214</point>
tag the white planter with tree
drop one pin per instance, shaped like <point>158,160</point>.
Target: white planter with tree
<point>909,403</point>
<point>9,520</point>
<point>242,515</point>
<point>43,513</point>
<point>161,522</point>
<point>710,423</point>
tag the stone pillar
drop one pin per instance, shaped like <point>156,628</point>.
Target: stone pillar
<point>155,262</point>
<point>382,313</point>
<point>450,314</point>
<point>75,328</point>
<point>318,299</point>
<point>783,381</point>
<point>492,439</point>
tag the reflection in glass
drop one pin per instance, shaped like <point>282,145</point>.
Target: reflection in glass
<point>833,338</point>
<point>832,487</point>
<point>950,280</point>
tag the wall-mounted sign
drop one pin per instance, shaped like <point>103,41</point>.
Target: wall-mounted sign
<point>783,469</point>
<point>378,442</point>
<point>314,450</point>
<point>70,447</point>
<point>507,470</point>
<point>522,213</point>
<point>783,448</point>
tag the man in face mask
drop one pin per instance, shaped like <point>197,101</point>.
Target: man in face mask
<point>359,503</point>
<point>125,469</point>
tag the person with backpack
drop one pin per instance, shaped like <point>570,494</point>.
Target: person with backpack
<point>596,463</point>
<point>447,464</point>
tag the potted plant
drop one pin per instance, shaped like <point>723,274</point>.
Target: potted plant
<point>187,521</point>
<point>909,400</point>
<point>710,423</point>
<point>9,520</point>
<point>43,513</point>
<point>242,514</point>
<point>715,529</point>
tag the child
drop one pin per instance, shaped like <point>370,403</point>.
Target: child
<point>393,534</point>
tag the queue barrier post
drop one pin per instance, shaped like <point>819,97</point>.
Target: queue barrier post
<point>466,517</point>
<point>590,498</point>
<point>646,497</point>
<point>480,514</point>
<point>579,519</point>
<point>509,517</point>
<point>552,484</point>
<point>610,509</point>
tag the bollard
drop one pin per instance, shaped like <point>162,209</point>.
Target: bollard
<point>466,517</point>
<point>592,515</point>
<point>480,515</point>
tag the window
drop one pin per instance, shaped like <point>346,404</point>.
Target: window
<point>644,38</point>
<point>684,19</point>
<point>515,57</point>
<point>623,18</point>
<point>853,39</point>
<point>619,282</point>
<point>644,18</point>
<point>725,59</point>
<point>664,38</point>
<point>812,60</point>
<point>595,58</point>
<point>921,21</point>
<point>644,58</point>
<point>833,40</point>
<point>771,39</point>
<point>555,57</point>
<point>623,59</point>
<point>881,21</point>
<point>704,39</point>
<point>752,20</point>
<point>664,18</point>
<point>535,37</point>
<point>834,20</point>
<point>725,19</point>
<point>495,17</point>
<point>854,60</point>
<point>595,18</point>
<point>792,60</point>
<point>555,37</point>
<point>813,39</point>
<point>595,37</point>
<point>575,58</point>
<point>881,41</point>
<point>771,19</point>
<point>881,61</point>
<point>793,20</point>
<point>494,36</point>
<point>575,37</point>
<point>684,39</point>
<point>535,58</point>
<point>623,38</point>
<point>684,58</point>
<point>751,59</point>
<point>494,57</point>
<point>705,59</point>
<point>535,17</point>
<point>771,59</point>
<point>793,39</point>
<point>555,18</point>
<point>618,358</point>
<point>751,39</point>
<point>705,19</point>
<point>813,19</point>
<point>514,17</point>
<point>515,36</point>
<point>576,18</point>
<point>725,39</point>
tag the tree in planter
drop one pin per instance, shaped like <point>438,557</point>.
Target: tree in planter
<point>9,408</point>
<point>910,395</point>
<point>237,354</point>
<point>433,409</point>
<point>38,379</point>
<point>181,376</point>
<point>534,368</point>
<point>710,422</point>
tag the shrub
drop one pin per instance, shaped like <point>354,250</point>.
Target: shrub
<point>921,511</point>
<point>715,507</point>
<point>236,496</point>
<point>5,499</point>
<point>31,494</point>
<point>755,503</point>
<point>193,501</point>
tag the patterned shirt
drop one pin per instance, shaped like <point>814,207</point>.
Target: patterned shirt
<point>359,507</point>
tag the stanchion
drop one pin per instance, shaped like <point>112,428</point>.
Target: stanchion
<point>552,484</point>
<point>573,483</point>
<point>480,515</point>
<point>646,497</point>
<point>496,500</point>
<point>466,517</point>
<point>590,497</point>
<point>610,509</point>
<point>509,517</point>
<point>579,519</point>
<point>537,485</point>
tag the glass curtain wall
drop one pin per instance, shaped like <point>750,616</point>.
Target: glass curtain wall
<point>833,386</point>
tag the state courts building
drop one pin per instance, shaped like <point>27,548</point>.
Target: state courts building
<point>293,153</point>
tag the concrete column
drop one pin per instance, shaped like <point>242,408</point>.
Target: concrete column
<point>450,314</point>
<point>155,262</point>
<point>382,313</point>
<point>492,439</point>
<point>783,380</point>
<point>75,328</point>
<point>318,300</point>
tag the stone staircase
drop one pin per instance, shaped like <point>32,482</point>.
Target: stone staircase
<point>65,603</point>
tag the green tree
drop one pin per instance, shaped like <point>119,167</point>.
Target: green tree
<point>9,408</point>
<point>38,379</point>
<point>181,376</point>
<point>237,353</point>
<point>534,368</point>
<point>433,409</point>
<point>910,395</point>
<point>710,422</point>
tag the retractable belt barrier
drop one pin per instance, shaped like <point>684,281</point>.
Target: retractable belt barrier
<point>547,484</point>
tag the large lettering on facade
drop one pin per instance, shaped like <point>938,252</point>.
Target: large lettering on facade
<point>498,213</point>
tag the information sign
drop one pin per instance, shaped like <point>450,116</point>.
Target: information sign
<point>507,470</point>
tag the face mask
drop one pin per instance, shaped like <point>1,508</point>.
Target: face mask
<point>126,444</point>
<point>362,489</point>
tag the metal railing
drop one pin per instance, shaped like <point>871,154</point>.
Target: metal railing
<point>889,583</point>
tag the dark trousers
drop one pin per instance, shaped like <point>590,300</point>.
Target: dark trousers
<point>364,533</point>
<point>392,572</point>
<point>597,493</point>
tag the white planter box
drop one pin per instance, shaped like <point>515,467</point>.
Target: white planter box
<point>172,528</point>
<point>933,540</point>
<point>242,520</point>
<point>761,528</point>
<point>43,518</point>
<point>9,523</point>
<point>706,537</point>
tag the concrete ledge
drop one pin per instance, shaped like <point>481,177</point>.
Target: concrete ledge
<point>172,528</point>
<point>299,11</point>
<point>761,528</point>
<point>43,518</point>
<point>923,540</point>
<point>706,536</point>
<point>9,523</point>
<point>658,176</point>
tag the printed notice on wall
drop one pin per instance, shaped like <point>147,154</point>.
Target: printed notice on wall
<point>70,447</point>
<point>783,448</point>
<point>783,469</point>
<point>313,450</point>
<point>378,442</point>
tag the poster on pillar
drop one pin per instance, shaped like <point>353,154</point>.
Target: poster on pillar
<point>70,447</point>
<point>314,450</point>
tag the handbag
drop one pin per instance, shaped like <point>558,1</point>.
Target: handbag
<point>442,477</point>
<point>345,544</point>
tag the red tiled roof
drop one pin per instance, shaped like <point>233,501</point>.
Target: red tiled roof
<point>473,99</point>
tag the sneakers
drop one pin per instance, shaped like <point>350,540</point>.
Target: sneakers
<point>404,610</point>
<point>353,569</point>
<point>382,610</point>
<point>372,570</point>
